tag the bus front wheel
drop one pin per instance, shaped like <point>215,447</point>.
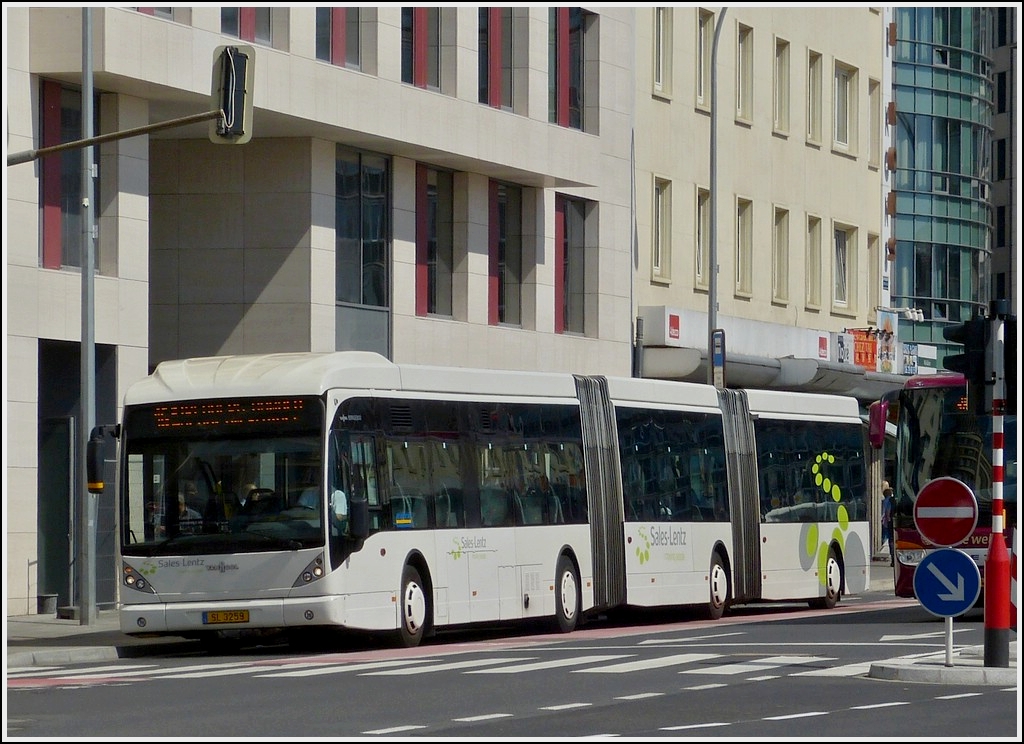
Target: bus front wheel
<point>567,595</point>
<point>413,607</point>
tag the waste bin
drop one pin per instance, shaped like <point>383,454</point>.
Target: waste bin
<point>47,604</point>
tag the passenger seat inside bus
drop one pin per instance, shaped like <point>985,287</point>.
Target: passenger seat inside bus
<point>493,507</point>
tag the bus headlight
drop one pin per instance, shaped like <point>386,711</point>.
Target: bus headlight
<point>315,570</point>
<point>910,557</point>
<point>132,579</point>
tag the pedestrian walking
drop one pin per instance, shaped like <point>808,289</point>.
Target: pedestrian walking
<point>888,533</point>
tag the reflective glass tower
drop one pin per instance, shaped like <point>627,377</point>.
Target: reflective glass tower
<point>942,88</point>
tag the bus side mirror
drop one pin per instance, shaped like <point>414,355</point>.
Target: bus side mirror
<point>94,455</point>
<point>878,414</point>
<point>359,518</point>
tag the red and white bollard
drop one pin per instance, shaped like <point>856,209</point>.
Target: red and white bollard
<point>1013,578</point>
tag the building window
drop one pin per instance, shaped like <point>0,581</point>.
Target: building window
<point>60,175</point>
<point>661,240</point>
<point>702,240</point>
<point>780,256</point>
<point>842,265</point>
<point>845,116</point>
<point>875,135</point>
<point>874,271</point>
<point>705,39</point>
<point>1001,93</point>
<point>744,73</point>
<point>435,239</point>
<point>812,263</point>
<point>781,85</point>
<point>362,229</point>
<point>165,12</point>
<point>999,161</point>
<point>250,24</point>
<point>662,72</point>
<point>495,57</point>
<point>1001,27</point>
<point>744,246</point>
<point>505,274</point>
<point>421,47</point>
<point>567,49</point>
<point>337,36</point>
<point>814,96</point>
<point>570,264</point>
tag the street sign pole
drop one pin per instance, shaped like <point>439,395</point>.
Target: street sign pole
<point>947,583</point>
<point>949,640</point>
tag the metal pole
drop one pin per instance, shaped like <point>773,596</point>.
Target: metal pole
<point>713,199</point>
<point>27,156</point>
<point>949,640</point>
<point>997,562</point>
<point>86,554</point>
<point>638,349</point>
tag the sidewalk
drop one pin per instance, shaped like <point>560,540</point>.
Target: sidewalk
<point>46,640</point>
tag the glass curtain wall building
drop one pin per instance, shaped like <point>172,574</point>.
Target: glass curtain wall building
<point>942,88</point>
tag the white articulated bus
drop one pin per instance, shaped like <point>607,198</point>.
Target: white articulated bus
<point>303,490</point>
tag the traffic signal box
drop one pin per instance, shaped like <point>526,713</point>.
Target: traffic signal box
<point>231,92</point>
<point>973,361</point>
<point>1010,362</point>
<point>976,362</point>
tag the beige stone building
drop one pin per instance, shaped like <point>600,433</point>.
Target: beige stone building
<point>798,231</point>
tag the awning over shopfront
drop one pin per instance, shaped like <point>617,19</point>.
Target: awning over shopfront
<point>786,373</point>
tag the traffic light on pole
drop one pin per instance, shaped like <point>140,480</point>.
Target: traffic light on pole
<point>1010,363</point>
<point>974,363</point>
<point>231,92</point>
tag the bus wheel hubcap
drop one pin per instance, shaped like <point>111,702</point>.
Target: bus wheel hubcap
<point>569,594</point>
<point>415,609</point>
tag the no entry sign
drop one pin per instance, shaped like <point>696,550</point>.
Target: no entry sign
<point>946,511</point>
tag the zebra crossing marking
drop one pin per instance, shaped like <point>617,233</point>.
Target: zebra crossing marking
<point>590,664</point>
<point>646,664</point>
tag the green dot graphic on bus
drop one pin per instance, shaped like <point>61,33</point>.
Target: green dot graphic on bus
<point>456,552</point>
<point>643,553</point>
<point>817,548</point>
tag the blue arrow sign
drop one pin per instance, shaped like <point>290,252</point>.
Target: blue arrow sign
<point>947,582</point>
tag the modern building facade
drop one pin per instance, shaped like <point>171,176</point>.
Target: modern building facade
<point>1005,125</point>
<point>494,187</point>
<point>942,192</point>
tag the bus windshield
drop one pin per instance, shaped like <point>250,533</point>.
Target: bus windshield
<point>938,435</point>
<point>201,484</point>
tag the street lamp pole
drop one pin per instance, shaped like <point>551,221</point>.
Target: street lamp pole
<point>713,201</point>
<point>85,557</point>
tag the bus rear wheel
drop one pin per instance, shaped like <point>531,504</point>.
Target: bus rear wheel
<point>833,583</point>
<point>414,608</point>
<point>567,595</point>
<point>718,588</point>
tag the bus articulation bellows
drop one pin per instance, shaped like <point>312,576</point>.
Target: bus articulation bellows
<point>303,490</point>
